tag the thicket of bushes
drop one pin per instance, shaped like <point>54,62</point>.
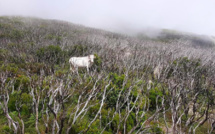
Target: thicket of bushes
<point>39,94</point>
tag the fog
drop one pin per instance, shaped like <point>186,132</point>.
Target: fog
<point>195,16</point>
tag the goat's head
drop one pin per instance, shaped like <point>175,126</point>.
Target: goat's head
<point>91,58</point>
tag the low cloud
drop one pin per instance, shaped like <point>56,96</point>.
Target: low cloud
<point>195,16</point>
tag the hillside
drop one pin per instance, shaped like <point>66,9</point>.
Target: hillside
<point>166,35</point>
<point>136,84</point>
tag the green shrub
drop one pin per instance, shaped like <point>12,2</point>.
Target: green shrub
<point>26,100</point>
<point>5,26</point>
<point>12,101</point>
<point>16,34</point>
<point>184,65</point>
<point>6,130</point>
<point>112,98</point>
<point>61,73</point>
<point>117,79</point>
<point>153,94</point>
<point>130,121</point>
<point>51,37</point>
<point>116,84</point>
<point>155,129</point>
<point>11,69</point>
<point>30,130</point>
<point>93,110</point>
<point>3,54</point>
<point>78,50</point>
<point>51,54</point>
<point>23,81</point>
<point>34,68</point>
<point>30,123</point>
<point>97,63</point>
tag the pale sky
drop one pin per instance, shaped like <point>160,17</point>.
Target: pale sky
<point>196,16</point>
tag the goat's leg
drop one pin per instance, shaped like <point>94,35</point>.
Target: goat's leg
<point>79,78</point>
<point>76,69</point>
<point>88,69</point>
<point>72,69</point>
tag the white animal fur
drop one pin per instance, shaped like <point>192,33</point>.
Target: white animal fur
<point>77,62</point>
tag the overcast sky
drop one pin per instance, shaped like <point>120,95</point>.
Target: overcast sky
<point>196,16</point>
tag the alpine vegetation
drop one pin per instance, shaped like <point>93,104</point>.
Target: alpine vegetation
<point>130,85</point>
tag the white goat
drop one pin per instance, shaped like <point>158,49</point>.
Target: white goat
<point>77,62</point>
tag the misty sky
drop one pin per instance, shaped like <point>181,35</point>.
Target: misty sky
<point>196,16</point>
